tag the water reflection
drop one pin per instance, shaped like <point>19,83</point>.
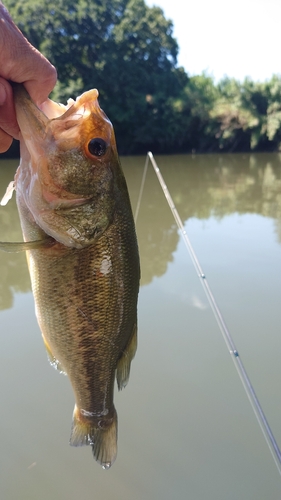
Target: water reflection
<point>13,268</point>
<point>201,186</point>
<point>186,427</point>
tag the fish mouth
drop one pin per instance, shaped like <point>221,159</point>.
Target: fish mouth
<point>59,172</point>
<point>58,140</point>
<point>55,123</point>
<point>44,130</point>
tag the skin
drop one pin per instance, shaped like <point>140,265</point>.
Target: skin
<point>19,62</point>
<point>85,284</point>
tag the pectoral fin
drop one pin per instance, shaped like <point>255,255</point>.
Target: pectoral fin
<point>124,363</point>
<point>21,246</point>
<point>9,193</point>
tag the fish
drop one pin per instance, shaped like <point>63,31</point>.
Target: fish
<point>82,252</point>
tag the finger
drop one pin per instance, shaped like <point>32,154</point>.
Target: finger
<point>39,84</point>
<point>22,63</point>
<point>8,120</point>
<point>5,141</point>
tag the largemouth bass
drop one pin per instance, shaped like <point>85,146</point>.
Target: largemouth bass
<point>83,257</point>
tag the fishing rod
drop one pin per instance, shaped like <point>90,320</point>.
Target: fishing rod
<point>258,411</point>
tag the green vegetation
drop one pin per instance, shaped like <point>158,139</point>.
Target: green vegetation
<point>127,50</point>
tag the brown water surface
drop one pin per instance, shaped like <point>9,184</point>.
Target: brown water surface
<point>186,428</point>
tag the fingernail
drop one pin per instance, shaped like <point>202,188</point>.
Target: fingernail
<point>3,94</point>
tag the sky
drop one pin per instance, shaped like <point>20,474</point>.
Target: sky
<point>237,38</point>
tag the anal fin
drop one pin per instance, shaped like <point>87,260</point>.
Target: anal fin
<point>124,363</point>
<point>52,360</point>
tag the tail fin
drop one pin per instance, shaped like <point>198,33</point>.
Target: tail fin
<point>100,433</point>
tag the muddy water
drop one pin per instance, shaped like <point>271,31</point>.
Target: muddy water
<point>186,428</point>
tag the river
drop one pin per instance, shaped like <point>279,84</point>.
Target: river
<point>186,427</point>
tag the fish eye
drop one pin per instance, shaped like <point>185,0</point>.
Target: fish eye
<point>97,147</point>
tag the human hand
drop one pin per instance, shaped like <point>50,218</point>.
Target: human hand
<point>19,62</point>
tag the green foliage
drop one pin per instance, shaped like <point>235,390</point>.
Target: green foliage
<point>233,118</point>
<point>127,50</point>
<point>122,47</point>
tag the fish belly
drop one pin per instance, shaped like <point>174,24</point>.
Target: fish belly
<point>85,303</point>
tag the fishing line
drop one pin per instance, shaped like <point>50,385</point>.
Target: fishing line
<point>141,188</point>
<point>258,411</point>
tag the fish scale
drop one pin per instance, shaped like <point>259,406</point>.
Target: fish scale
<point>84,319</point>
<point>82,254</point>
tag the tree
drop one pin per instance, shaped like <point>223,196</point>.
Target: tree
<point>199,97</point>
<point>127,51</point>
<point>273,112</point>
<point>234,121</point>
<point>122,47</point>
<point>248,115</point>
